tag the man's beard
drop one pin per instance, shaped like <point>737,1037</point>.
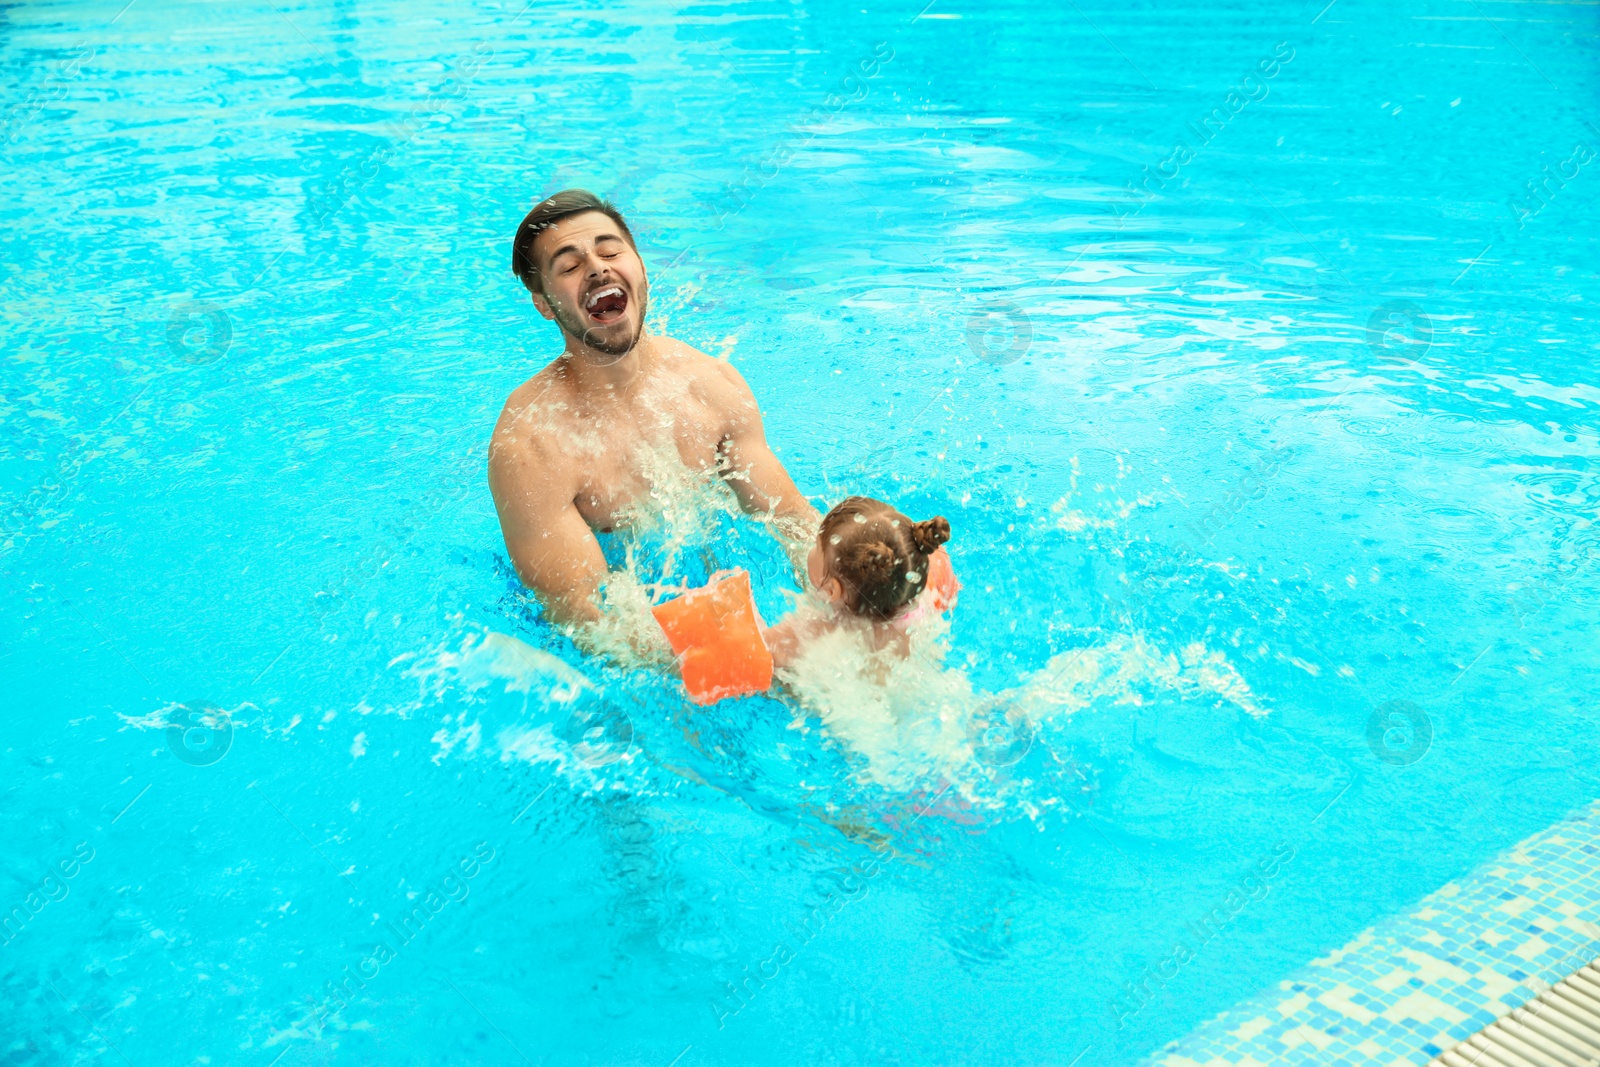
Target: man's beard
<point>588,335</point>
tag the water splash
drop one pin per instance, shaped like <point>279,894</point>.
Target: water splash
<point>908,722</point>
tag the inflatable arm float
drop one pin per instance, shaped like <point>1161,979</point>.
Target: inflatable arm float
<point>715,632</point>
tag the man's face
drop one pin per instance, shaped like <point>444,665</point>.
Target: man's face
<point>594,282</point>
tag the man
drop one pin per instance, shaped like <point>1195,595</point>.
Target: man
<point>577,444</point>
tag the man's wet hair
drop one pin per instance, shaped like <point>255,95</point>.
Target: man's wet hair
<point>547,213</point>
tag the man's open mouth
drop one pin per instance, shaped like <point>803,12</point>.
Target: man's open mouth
<point>606,305</point>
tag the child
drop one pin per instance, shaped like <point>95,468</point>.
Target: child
<point>870,567</point>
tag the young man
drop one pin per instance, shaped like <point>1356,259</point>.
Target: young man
<point>574,444</point>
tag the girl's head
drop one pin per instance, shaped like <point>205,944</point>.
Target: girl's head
<point>871,558</point>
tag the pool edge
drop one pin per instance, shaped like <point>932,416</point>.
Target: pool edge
<point>1415,984</point>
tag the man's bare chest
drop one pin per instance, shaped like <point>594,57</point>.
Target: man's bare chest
<point>631,466</point>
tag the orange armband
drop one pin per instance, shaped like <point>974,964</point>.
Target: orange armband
<point>716,633</point>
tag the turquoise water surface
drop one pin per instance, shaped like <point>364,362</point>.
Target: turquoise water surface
<point>1249,349</point>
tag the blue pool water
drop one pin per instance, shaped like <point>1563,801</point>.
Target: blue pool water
<point>1266,424</point>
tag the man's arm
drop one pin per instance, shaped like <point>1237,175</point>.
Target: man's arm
<point>758,479</point>
<point>551,546</point>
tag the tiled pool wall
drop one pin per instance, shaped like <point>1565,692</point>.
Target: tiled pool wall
<point>1416,984</point>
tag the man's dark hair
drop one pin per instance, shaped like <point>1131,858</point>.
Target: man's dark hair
<point>547,213</point>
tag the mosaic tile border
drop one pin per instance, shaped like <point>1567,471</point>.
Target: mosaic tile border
<point>1414,985</point>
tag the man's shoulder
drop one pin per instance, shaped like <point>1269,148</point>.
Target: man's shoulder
<point>550,379</point>
<point>716,376</point>
<point>534,409</point>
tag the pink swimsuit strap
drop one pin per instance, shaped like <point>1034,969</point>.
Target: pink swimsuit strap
<point>915,612</point>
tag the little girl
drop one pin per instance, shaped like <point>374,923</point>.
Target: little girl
<point>870,568</point>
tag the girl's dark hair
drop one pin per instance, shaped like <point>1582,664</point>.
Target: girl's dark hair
<point>879,555</point>
<point>547,213</point>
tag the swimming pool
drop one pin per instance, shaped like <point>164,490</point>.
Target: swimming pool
<point>1254,378</point>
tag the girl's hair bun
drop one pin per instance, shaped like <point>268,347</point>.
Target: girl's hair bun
<point>929,535</point>
<point>873,550</point>
<point>872,562</point>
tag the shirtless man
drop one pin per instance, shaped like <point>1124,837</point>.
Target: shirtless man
<point>568,456</point>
